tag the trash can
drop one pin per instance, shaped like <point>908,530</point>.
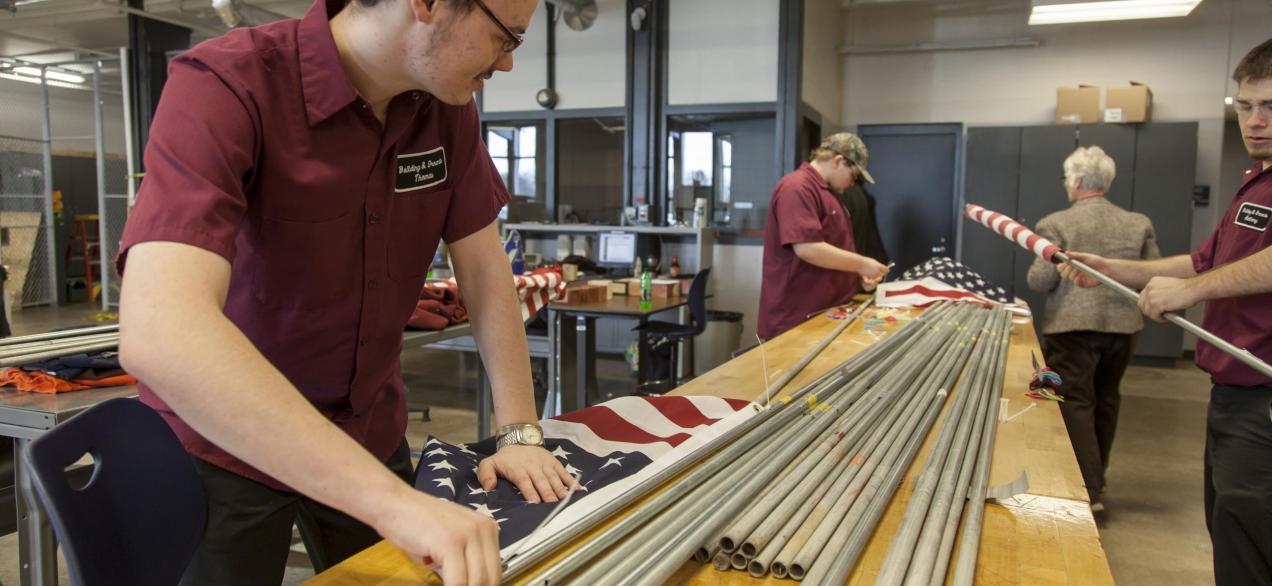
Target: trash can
<point>718,341</point>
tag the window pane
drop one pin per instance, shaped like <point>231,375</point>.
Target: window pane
<point>496,144</point>
<point>525,177</point>
<point>526,141</point>
<point>726,184</point>
<point>501,164</point>
<point>726,153</point>
<point>697,164</point>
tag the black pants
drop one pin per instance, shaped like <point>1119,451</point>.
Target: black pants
<point>249,529</point>
<point>1091,365</point>
<point>1238,476</point>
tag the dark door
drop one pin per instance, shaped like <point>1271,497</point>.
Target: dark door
<point>916,194</point>
<point>993,175</point>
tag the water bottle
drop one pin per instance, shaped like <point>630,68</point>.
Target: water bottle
<point>646,291</point>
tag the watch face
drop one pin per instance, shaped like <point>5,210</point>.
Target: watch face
<point>532,435</point>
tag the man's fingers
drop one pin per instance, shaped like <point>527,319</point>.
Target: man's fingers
<point>486,474</point>
<point>544,486</point>
<point>526,486</point>
<point>490,545</point>
<point>554,480</point>
<point>475,561</point>
<point>568,480</point>
<point>452,567</point>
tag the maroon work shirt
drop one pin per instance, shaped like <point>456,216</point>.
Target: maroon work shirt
<point>802,210</point>
<point>1246,321</point>
<point>263,152</point>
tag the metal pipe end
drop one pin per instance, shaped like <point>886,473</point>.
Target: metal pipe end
<point>740,562</point>
<point>721,562</point>
<point>727,544</point>
<point>757,569</point>
<point>702,556</point>
<point>796,572</point>
<point>749,549</point>
<point>779,570</point>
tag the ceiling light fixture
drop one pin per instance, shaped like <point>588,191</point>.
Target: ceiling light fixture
<point>1059,12</point>
<point>51,82</point>
<point>49,74</point>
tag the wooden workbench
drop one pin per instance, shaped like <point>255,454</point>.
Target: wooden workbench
<point>1046,536</point>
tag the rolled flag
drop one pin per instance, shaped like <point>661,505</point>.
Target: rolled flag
<point>1014,231</point>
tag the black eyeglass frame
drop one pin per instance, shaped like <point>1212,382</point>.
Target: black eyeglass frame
<point>514,40</point>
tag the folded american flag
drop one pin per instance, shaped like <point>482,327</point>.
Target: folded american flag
<point>610,447</point>
<point>957,275</point>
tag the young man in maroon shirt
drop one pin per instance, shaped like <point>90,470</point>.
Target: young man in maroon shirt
<point>299,177</point>
<point>810,261</point>
<point>1232,273</point>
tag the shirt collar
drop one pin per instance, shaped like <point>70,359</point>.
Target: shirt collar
<point>1090,200</point>
<point>814,176</point>
<point>1255,172</point>
<point>324,84</point>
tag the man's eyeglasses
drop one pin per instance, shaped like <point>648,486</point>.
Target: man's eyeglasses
<point>514,40</point>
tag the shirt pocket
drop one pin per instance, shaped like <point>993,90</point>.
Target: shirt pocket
<point>415,227</point>
<point>307,265</point>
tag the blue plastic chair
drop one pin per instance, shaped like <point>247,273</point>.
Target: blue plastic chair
<point>141,516</point>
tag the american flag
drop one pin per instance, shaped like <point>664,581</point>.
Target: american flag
<point>609,447</point>
<point>956,275</point>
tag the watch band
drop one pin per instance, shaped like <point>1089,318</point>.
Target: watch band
<point>522,434</point>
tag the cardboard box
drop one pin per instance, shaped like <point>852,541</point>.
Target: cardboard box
<point>1131,103</point>
<point>1078,105</point>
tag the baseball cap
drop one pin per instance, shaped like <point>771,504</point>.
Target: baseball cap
<point>852,148</point>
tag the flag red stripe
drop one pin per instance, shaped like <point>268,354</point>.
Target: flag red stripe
<point>681,411</point>
<point>608,425</point>
<point>921,290</point>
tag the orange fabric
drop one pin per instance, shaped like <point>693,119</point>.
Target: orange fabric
<point>39,382</point>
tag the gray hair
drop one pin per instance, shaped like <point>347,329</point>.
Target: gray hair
<point>1093,169</point>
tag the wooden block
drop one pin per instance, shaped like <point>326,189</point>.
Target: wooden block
<point>607,284</point>
<point>666,288</point>
<point>633,287</point>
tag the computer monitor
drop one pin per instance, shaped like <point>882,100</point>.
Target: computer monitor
<point>617,249</point>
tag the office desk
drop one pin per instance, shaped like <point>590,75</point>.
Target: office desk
<point>578,352</point>
<point>1045,536</point>
<point>24,417</point>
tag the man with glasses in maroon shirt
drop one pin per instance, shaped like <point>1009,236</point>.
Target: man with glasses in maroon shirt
<point>299,177</point>
<point>1232,273</point>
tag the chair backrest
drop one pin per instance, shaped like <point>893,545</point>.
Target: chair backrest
<point>141,516</point>
<point>698,300</point>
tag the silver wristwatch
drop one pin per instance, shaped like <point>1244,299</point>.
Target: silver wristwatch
<point>519,434</point>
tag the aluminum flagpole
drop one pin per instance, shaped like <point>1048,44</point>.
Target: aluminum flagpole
<point>1026,238</point>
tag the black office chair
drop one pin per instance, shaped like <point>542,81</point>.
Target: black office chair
<point>665,335</point>
<point>141,516</point>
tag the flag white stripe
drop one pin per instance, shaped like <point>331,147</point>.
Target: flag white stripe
<point>712,407</point>
<point>585,438</point>
<point>638,412</point>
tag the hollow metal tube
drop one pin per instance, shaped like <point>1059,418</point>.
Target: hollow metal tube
<point>965,567</point>
<point>795,369</point>
<point>960,458</point>
<point>58,334</point>
<point>24,348</point>
<point>852,534</point>
<point>48,354</point>
<point>1239,353</point>
<point>963,484</point>
<point>721,445</point>
<point>918,509</point>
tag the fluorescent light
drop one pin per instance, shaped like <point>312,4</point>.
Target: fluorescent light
<point>51,82</point>
<point>1227,101</point>
<point>49,74</point>
<point>1113,10</point>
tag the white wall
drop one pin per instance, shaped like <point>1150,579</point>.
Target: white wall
<point>722,51</point>
<point>736,283</point>
<point>823,72</point>
<point>1186,61</point>
<point>591,67</point>
<point>21,115</point>
<point>510,91</point>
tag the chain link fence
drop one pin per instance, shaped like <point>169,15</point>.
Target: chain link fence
<point>63,185</point>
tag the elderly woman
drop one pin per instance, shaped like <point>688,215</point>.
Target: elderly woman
<point>1087,334</point>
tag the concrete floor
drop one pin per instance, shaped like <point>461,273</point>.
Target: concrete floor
<point>1153,530</point>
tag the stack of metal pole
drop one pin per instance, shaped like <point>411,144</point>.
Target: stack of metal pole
<point>803,492</point>
<point>21,350</point>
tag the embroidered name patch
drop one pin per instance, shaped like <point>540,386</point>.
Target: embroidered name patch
<point>1253,216</point>
<point>421,170</point>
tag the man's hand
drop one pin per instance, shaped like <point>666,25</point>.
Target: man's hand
<point>460,545</point>
<point>868,284</point>
<point>1164,294</point>
<point>535,472</point>
<point>1080,278</point>
<point>872,270</point>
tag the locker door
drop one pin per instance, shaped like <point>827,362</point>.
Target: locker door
<point>1042,153</point>
<point>993,170</point>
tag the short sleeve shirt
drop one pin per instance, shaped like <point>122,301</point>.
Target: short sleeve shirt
<point>262,152</point>
<point>802,209</point>
<point>1245,321</point>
